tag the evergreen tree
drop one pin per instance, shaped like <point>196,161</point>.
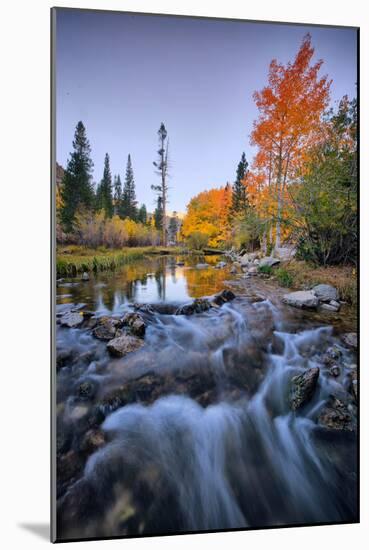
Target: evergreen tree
<point>117,195</point>
<point>129,202</point>
<point>104,193</point>
<point>161,166</point>
<point>77,191</point>
<point>173,227</point>
<point>158,214</point>
<point>239,193</point>
<point>142,214</point>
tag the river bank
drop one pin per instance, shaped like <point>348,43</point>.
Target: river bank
<point>71,259</point>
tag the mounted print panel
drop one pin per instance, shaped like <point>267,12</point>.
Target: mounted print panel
<point>205,229</point>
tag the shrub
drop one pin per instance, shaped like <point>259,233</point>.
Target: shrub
<point>267,269</point>
<point>197,240</point>
<point>284,277</point>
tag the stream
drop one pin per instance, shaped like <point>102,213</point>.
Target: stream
<point>194,431</point>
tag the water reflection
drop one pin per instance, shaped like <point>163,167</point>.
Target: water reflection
<point>171,279</point>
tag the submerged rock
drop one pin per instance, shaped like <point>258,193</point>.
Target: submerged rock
<point>325,293</point>
<point>124,344</point>
<point>85,276</point>
<point>93,440</point>
<point>72,319</point>
<point>135,323</point>
<point>303,299</point>
<point>86,390</point>
<point>303,387</point>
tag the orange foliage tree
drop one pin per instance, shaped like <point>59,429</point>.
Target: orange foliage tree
<point>208,215</point>
<point>290,111</point>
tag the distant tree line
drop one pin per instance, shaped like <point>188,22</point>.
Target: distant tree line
<point>79,202</point>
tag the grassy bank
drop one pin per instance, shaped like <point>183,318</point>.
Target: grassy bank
<point>301,275</point>
<point>72,260</point>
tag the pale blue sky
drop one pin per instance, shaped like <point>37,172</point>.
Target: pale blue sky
<point>122,75</point>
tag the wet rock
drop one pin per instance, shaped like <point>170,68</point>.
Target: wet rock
<point>135,323</point>
<point>350,339</point>
<point>337,415</point>
<point>145,308</point>
<point>106,328</point>
<point>85,276</point>
<point>325,293</point>
<point>303,299</point>
<point>93,440</point>
<point>335,371</point>
<point>331,355</point>
<point>65,358</point>
<point>197,306</point>
<point>124,344</point>
<point>86,390</point>
<point>353,381</point>
<point>69,466</point>
<point>303,387</point>
<point>223,297</point>
<point>71,319</point>
<point>269,261</point>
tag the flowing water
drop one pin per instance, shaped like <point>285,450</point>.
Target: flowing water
<point>204,438</point>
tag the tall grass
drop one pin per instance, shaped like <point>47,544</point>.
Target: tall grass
<point>72,260</point>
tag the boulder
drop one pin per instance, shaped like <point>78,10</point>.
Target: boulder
<point>350,339</point>
<point>252,270</point>
<point>85,276</point>
<point>71,319</point>
<point>303,299</point>
<point>124,344</point>
<point>325,293</point>
<point>135,323</point>
<point>220,265</point>
<point>269,261</point>
<point>329,307</point>
<point>105,329</point>
<point>303,387</point>
<point>285,253</point>
<point>233,270</point>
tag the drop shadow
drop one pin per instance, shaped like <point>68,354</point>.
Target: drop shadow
<point>42,530</point>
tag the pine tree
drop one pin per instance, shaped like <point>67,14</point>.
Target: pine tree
<point>77,191</point>
<point>105,191</point>
<point>173,227</point>
<point>239,194</point>
<point>142,214</point>
<point>117,195</point>
<point>129,202</point>
<point>161,166</point>
<point>158,214</point>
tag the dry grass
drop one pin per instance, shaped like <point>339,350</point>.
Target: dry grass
<point>303,276</point>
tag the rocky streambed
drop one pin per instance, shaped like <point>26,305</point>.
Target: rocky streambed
<point>230,409</point>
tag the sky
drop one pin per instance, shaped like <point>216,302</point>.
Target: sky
<point>124,74</point>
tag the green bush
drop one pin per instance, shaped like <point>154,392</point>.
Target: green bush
<point>284,277</point>
<point>267,269</point>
